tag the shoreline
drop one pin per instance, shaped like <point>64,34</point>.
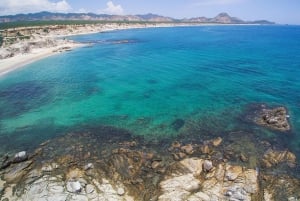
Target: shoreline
<point>13,63</point>
<point>84,166</point>
<point>22,59</point>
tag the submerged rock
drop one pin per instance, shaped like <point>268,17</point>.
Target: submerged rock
<point>177,124</point>
<point>216,142</point>
<point>281,187</point>
<point>274,157</point>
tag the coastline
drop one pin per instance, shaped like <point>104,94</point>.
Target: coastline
<point>19,60</point>
<point>16,62</point>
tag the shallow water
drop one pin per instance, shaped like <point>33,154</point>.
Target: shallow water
<point>158,83</point>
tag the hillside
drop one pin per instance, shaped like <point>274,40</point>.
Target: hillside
<point>222,18</point>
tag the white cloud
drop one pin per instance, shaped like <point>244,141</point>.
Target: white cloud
<point>113,9</point>
<point>216,2</point>
<point>8,7</point>
<point>82,10</point>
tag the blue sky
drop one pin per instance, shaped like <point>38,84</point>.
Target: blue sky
<point>280,11</point>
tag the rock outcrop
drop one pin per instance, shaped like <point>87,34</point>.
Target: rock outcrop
<point>274,157</point>
<point>274,118</point>
<point>70,168</point>
<point>223,182</point>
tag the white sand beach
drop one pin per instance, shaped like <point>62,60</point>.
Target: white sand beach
<point>9,64</point>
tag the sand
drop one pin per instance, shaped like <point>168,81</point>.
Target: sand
<point>20,60</point>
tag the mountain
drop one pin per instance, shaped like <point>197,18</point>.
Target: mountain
<point>222,18</point>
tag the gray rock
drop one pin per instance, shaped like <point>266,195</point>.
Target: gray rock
<point>73,186</point>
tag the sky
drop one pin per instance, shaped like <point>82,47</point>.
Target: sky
<point>279,11</point>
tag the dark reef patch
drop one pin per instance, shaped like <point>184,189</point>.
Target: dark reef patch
<point>177,124</point>
<point>23,97</point>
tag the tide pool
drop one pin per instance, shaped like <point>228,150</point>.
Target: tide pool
<point>157,83</point>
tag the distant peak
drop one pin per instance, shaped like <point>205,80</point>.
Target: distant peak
<point>223,15</point>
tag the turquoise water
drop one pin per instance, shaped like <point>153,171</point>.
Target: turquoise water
<point>157,83</point>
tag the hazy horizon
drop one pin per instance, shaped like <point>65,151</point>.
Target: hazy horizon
<point>282,12</point>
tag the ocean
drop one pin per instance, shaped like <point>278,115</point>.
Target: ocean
<point>157,84</point>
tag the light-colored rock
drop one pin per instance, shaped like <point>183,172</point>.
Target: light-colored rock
<point>223,182</point>
<point>216,142</point>
<point>89,189</point>
<point>207,165</point>
<point>232,172</point>
<point>73,186</point>
<point>77,197</point>
<point>1,186</point>
<point>120,191</point>
<point>200,196</point>
<point>194,165</point>
<point>49,167</point>
<point>155,164</point>
<point>88,166</point>
<point>205,149</point>
<point>55,189</point>
<point>188,149</point>
<point>19,157</point>
<point>177,188</point>
<point>267,196</point>
<point>74,174</point>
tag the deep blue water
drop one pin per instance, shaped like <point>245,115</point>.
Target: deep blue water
<point>156,82</point>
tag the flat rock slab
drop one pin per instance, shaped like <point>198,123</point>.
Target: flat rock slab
<point>16,172</point>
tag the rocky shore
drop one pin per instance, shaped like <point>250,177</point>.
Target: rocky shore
<point>94,166</point>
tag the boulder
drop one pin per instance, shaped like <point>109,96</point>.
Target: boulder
<point>207,165</point>
<point>188,149</point>
<point>216,142</point>
<point>20,157</point>
<point>73,186</point>
<point>120,191</point>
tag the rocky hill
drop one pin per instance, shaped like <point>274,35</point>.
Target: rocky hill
<point>222,18</point>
